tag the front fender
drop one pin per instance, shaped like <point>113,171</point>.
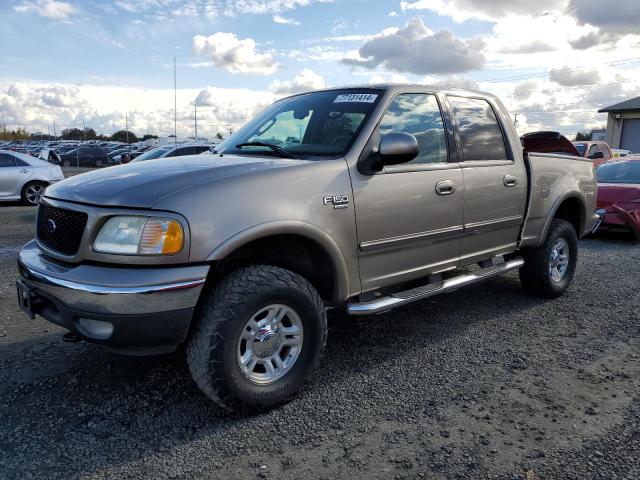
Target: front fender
<point>301,229</point>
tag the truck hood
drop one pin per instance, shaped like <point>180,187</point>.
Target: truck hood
<point>142,184</point>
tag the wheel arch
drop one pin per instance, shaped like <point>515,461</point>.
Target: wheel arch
<point>300,247</point>
<point>569,207</point>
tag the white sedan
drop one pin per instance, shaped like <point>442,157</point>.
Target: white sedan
<point>24,178</point>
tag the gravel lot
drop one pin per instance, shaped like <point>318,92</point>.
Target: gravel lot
<point>481,383</point>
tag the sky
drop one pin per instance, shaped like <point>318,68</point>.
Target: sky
<point>552,62</point>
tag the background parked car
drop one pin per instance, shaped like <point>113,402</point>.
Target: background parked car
<point>173,151</point>
<point>619,195</point>
<point>25,178</point>
<point>618,152</point>
<point>599,152</point>
<point>85,156</point>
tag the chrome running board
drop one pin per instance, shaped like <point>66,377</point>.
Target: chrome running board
<point>383,304</point>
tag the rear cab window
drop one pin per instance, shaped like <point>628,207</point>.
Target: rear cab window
<point>480,132</point>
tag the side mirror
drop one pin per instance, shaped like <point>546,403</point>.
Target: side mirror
<point>398,147</point>
<point>597,156</point>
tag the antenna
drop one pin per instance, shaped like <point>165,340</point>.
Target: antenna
<point>175,105</point>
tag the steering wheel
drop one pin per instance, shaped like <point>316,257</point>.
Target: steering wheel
<point>344,139</point>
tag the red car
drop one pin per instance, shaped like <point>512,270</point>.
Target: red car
<point>599,152</point>
<point>619,194</point>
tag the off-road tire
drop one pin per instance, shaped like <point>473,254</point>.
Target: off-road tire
<point>221,317</point>
<point>535,275</point>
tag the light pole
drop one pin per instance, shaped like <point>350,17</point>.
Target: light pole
<point>195,120</point>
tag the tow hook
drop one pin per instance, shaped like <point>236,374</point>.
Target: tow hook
<point>70,337</point>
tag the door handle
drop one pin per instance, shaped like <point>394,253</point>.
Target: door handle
<point>510,180</point>
<point>445,187</point>
<point>24,170</point>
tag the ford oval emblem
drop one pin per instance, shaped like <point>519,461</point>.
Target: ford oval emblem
<point>51,226</point>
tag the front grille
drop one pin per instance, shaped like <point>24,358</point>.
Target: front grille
<point>60,229</point>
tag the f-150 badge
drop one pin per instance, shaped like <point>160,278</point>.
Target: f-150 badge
<point>338,201</point>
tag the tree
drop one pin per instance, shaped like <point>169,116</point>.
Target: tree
<point>583,137</point>
<point>19,134</point>
<point>72,134</point>
<point>121,136</point>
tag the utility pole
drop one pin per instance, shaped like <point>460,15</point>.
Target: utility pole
<point>54,130</point>
<point>195,119</point>
<point>84,131</point>
<point>126,122</point>
<point>175,105</point>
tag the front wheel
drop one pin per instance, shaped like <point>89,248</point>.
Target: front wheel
<point>548,270</point>
<point>259,334</point>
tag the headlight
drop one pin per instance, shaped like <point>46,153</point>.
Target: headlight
<point>140,236</point>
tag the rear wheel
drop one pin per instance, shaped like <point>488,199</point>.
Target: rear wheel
<point>548,270</point>
<point>259,335</point>
<point>32,192</point>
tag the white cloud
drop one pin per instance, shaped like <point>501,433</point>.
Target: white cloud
<point>461,10</point>
<point>47,8</point>
<point>392,14</point>
<point>305,81</point>
<point>234,55</point>
<point>568,77</point>
<point>417,49</point>
<point>210,9</point>
<point>285,20</point>
<point>36,105</point>
<point>621,16</point>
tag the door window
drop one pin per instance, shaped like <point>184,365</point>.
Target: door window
<point>7,160</point>
<point>480,133</point>
<point>418,114</point>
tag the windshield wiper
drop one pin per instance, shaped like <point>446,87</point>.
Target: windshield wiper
<point>279,150</point>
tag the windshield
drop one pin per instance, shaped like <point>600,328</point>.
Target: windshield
<point>581,147</point>
<point>153,153</point>
<point>619,172</point>
<point>321,124</point>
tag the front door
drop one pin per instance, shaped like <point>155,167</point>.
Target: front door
<point>410,217</point>
<point>12,175</point>
<point>495,184</point>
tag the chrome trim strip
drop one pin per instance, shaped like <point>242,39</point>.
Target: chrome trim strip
<point>486,163</point>
<point>492,223</point>
<point>442,232</point>
<point>392,241</point>
<point>100,290</point>
<point>384,304</point>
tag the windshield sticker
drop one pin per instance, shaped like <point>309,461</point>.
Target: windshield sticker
<point>356,98</point>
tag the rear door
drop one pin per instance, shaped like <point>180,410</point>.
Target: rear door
<point>495,191</point>
<point>409,217</point>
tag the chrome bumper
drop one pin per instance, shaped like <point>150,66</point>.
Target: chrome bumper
<point>112,290</point>
<point>598,219</point>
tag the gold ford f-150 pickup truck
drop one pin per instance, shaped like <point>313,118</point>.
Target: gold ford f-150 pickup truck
<point>362,198</point>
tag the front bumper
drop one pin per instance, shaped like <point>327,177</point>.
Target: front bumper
<point>133,310</point>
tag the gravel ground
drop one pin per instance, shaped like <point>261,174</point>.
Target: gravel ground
<point>481,383</point>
